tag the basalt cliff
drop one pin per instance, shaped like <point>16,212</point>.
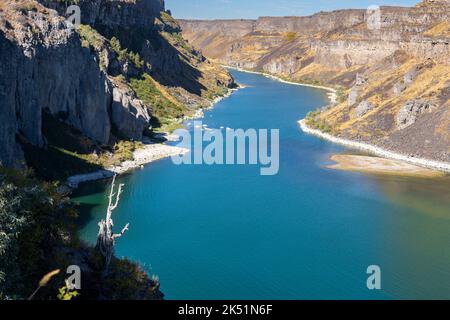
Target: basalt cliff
<point>390,67</point>
<point>77,97</point>
<point>71,90</point>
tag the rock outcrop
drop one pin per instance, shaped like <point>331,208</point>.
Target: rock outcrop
<point>129,115</point>
<point>44,66</point>
<point>364,107</point>
<point>403,55</point>
<point>409,113</point>
<point>112,13</point>
<point>125,69</point>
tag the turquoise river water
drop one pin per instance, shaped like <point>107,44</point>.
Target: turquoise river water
<point>226,232</point>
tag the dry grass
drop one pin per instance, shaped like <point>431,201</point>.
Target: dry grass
<point>428,84</point>
<point>440,30</point>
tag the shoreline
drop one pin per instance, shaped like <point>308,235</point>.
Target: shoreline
<point>377,151</point>
<point>381,166</point>
<point>200,113</point>
<point>332,93</point>
<point>151,152</point>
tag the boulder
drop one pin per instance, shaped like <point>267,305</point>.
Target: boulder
<point>408,78</point>
<point>352,96</point>
<point>354,91</point>
<point>399,88</point>
<point>409,113</point>
<point>363,108</point>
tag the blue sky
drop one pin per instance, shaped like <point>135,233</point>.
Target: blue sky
<point>250,9</point>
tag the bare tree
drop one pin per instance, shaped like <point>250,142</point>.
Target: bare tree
<point>106,238</point>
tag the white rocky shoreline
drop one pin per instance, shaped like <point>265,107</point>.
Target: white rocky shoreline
<point>426,163</point>
<point>149,153</point>
<point>200,113</point>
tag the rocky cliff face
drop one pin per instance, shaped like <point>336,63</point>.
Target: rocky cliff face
<point>345,34</point>
<point>112,13</point>
<point>380,62</point>
<point>125,69</point>
<point>43,66</point>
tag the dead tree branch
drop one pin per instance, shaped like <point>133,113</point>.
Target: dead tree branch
<point>106,237</point>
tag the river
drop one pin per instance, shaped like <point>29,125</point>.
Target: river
<point>226,232</point>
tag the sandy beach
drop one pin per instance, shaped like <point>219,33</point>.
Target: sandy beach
<point>388,161</point>
<point>377,165</point>
<point>425,163</point>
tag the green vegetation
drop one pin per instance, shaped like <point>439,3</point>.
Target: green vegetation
<point>66,293</point>
<point>314,120</point>
<point>90,37</point>
<point>313,82</point>
<point>340,95</point>
<point>34,220</point>
<point>165,108</point>
<point>290,36</point>
<point>167,18</point>
<point>216,92</point>
<point>117,48</point>
<point>168,125</point>
<point>38,234</point>
<point>162,107</point>
<point>177,40</point>
<point>123,53</point>
<point>121,151</point>
<point>69,152</point>
<point>55,163</point>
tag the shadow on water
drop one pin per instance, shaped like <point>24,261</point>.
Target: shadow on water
<point>90,200</point>
<point>225,232</point>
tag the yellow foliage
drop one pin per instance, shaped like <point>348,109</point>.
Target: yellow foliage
<point>290,36</point>
<point>46,279</point>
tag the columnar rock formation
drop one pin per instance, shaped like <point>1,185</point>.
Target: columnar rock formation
<point>124,66</point>
<point>401,53</point>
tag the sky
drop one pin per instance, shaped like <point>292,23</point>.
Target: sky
<point>251,9</point>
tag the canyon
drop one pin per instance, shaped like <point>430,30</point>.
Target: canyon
<point>122,73</point>
<point>390,67</point>
<point>81,99</point>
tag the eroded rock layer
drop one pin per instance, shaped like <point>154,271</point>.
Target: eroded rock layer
<point>125,70</point>
<point>386,66</point>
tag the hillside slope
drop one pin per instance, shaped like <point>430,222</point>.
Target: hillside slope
<point>124,72</point>
<point>393,81</point>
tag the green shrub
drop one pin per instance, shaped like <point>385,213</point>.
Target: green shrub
<point>34,219</point>
<point>124,54</point>
<point>314,121</point>
<point>147,91</point>
<point>290,36</point>
<point>340,95</point>
<point>38,234</point>
<point>90,37</point>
